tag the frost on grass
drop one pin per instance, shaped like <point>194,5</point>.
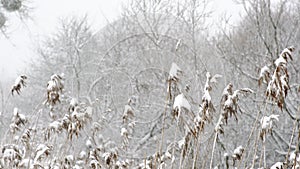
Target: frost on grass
<point>199,123</point>
<point>237,153</point>
<point>230,100</point>
<point>54,89</point>
<point>26,136</point>
<point>110,157</point>
<point>207,107</point>
<point>11,155</point>
<point>267,125</point>
<point>88,143</point>
<point>174,72</point>
<point>226,93</point>
<point>41,151</point>
<point>173,79</point>
<point>73,104</point>
<point>180,104</point>
<point>128,113</point>
<point>55,126</point>
<point>128,124</point>
<point>18,120</point>
<point>71,123</point>
<point>278,165</point>
<point>124,135</point>
<point>26,163</point>
<point>264,75</point>
<point>295,159</point>
<point>229,106</point>
<point>278,86</point>
<point>284,56</point>
<point>19,83</point>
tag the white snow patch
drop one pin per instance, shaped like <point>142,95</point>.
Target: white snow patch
<point>180,102</point>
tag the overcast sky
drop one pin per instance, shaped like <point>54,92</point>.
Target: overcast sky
<point>25,36</point>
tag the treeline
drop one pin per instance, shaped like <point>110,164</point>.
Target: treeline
<point>155,89</point>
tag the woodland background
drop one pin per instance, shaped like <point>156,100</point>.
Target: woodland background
<point>120,78</point>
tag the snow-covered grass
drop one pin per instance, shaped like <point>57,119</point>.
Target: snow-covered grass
<point>33,143</point>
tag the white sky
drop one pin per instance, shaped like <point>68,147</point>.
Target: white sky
<point>25,36</point>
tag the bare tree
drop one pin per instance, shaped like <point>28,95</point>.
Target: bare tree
<point>264,32</point>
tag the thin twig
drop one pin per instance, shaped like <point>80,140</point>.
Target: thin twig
<point>197,147</point>
<point>291,141</point>
<point>164,121</point>
<point>173,149</point>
